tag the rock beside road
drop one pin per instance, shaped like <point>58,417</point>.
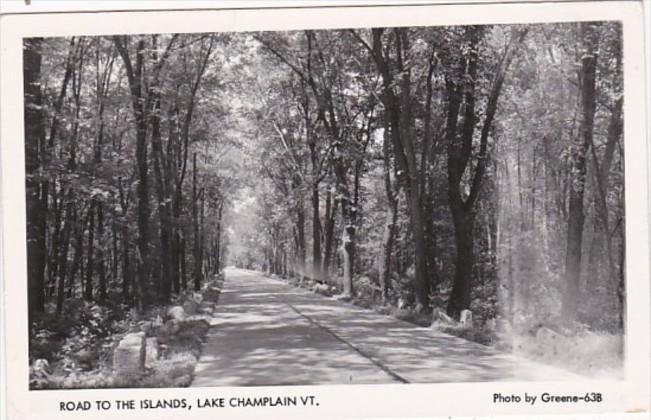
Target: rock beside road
<point>129,356</point>
<point>177,313</point>
<point>151,351</point>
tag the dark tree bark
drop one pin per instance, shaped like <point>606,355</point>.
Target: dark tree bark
<point>142,102</point>
<point>300,234</point>
<point>402,133</point>
<point>175,247</point>
<point>348,239</point>
<point>115,255</point>
<point>602,178</point>
<point>316,180</point>
<point>48,184</point>
<point>580,150</point>
<point>621,285</point>
<point>78,250</point>
<point>202,238</point>
<point>218,238</point>
<point>196,228</point>
<point>177,158</point>
<point>328,236</point>
<point>183,262</point>
<point>34,139</point>
<point>63,257</point>
<point>55,238</point>
<point>90,254</point>
<point>388,236</point>
<point>102,87</point>
<point>348,213</point>
<point>461,89</point>
<point>101,263</point>
<point>127,275</point>
<point>316,234</point>
<point>163,198</point>
<point>138,98</point>
<point>61,238</point>
<point>68,194</point>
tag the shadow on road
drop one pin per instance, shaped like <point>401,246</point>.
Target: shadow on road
<point>269,333</point>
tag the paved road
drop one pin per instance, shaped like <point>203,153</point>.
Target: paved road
<point>268,333</point>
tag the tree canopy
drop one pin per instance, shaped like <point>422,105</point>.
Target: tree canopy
<point>436,168</point>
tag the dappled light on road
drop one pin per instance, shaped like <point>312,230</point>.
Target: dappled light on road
<point>269,333</point>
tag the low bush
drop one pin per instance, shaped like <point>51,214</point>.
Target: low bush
<point>477,334</point>
<point>591,353</point>
<point>422,319</point>
<point>174,371</point>
<point>187,339</point>
<point>71,352</point>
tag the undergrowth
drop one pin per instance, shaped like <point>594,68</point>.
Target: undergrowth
<point>74,350</point>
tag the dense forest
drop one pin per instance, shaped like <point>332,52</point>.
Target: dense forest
<point>438,169</point>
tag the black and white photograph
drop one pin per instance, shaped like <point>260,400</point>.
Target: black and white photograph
<point>334,206</point>
<point>339,205</point>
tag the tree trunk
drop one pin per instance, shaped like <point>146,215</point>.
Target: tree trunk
<point>196,275</point>
<point>90,259</point>
<point>580,150</point>
<point>101,265</point>
<point>431,249</point>
<point>328,237</point>
<point>34,138</point>
<point>218,238</point>
<point>175,248</point>
<point>463,228</point>
<point>348,248</point>
<point>115,264</point>
<point>348,213</point>
<point>143,211</point>
<point>197,285</point>
<point>621,286</point>
<point>421,283</point>
<point>402,132</point>
<point>165,222</point>
<point>78,252</point>
<point>462,91</point>
<point>316,234</point>
<point>127,279</point>
<point>63,257</point>
<point>54,239</point>
<point>138,99</point>
<point>300,236</point>
<point>386,249</point>
<point>50,180</point>
<point>183,262</point>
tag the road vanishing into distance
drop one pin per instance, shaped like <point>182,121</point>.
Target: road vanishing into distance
<point>266,332</point>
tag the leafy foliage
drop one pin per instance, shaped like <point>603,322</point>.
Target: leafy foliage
<point>405,169</point>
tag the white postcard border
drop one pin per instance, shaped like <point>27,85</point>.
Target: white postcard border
<point>345,401</point>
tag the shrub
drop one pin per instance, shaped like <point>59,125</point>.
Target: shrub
<point>476,334</point>
<point>188,338</point>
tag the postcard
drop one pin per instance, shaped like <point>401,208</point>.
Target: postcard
<point>326,212</point>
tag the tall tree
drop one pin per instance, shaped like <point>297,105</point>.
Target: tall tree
<point>34,140</point>
<point>462,92</point>
<point>142,101</point>
<point>397,96</point>
<point>579,154</point>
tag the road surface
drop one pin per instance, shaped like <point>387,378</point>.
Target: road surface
<point>266,332</point>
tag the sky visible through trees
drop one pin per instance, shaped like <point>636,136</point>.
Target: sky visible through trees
<point>434,169</point>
